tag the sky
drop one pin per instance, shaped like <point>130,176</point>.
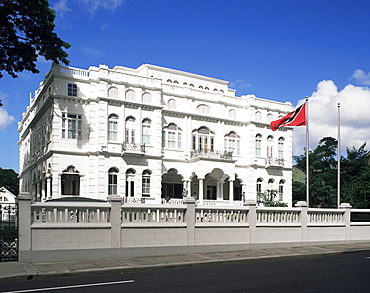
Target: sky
<point>282,50</point>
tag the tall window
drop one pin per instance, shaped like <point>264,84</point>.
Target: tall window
<point>112,181</point>
<point>203,139</point>
<point>147,98</point>
<point>281,148</point>
<point>232,114</point>
<point>270,142</point>
<point>269,118</point>
<point>113,92</point>
<point>171,104</point>
<point>171,137</point>
<point>72,90</point>
<point>259,185</point>
<point>281,190</point>
<point>146,183</point>
<point>130,130</point>
<point>258,143</point>
<point>130,95</point>
<point>146,131</point>
<point>258,116</point>
<point>270,184</point>
<point>113,127</point>
<point>204,109</point>
<point>130,183</point>
<point>71,126</point>
<point>232,143</point>
<point>70,181</point>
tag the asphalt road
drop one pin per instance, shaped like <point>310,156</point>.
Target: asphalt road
<point>349,272</point>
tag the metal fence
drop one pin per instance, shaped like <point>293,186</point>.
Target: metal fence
<point>8,233</point>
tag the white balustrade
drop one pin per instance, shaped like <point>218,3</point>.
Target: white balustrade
<point>221,216</point>
<point>325,216</point>
<point>277,216</point>
<point>153,215</point>
<point>47,213</point>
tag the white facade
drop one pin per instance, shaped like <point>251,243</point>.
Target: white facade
<point>153,133</point>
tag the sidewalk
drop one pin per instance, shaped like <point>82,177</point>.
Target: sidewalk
<point>28,270</point>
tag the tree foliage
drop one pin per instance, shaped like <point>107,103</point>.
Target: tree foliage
<point>27,31</point>
<point>9,180</point>
<point>323,172</point>
<point>268,199</point>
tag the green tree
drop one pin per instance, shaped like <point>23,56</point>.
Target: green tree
<point>27,31</point>
<point>268,199</point>
<point>9,180</point>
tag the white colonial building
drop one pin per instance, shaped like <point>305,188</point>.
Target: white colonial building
<point>152,135</point>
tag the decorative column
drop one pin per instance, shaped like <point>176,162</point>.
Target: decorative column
<point>231,191</point>
<point>190,220</point>
<point>201,190</point>
<point>48,187</point>
<point>252,219</point>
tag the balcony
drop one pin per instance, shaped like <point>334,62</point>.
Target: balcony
<point>211,155</point>
<point>274,162</point>
<point>133,148</point>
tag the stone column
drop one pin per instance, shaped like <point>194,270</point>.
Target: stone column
<point>231,191</point>
<point>303,219</point>
<point>48,187</point>
<point>115,220</point>
<point>252,219</point>
<point>43,194</point>
<point>190,220</point>
<point>24,223</point>
<point>201,190</point>
<point>347,219</point>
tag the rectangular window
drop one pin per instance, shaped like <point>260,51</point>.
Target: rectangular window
<point>72,90</point>
<point>146,134</point>
<point>258,148</point>
<point>179,140</point>
<point>71,126</point>
<point>113,131</point>
<point>171,140</point>
<point>112,185</point>
<point>146,186</point>
<point>280,150</point>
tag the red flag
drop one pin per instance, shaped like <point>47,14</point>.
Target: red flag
<point>295,118</point>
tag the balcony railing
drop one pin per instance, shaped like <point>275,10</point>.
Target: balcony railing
<point>211,154</point>
<point>133,147</point>
<point>274,162</point>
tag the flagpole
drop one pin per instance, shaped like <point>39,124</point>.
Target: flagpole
<point>307,159</point>
<point>338,201</point>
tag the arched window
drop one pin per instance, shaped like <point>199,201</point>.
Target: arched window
<point>192,85</point>
<point>112,181</point>
<point>171,104</point>
<point>259,185</point>
<point>185,83</point>
<point>201,87</point>
<point>146,183</point>
<point>147,98</point>
<point>70,181</point>
<point>270,149</point>
<point>281,190</point>
<point>169,80</point>
<point>171,137</point>
<point>146,131</point>
<point>258,116</point>
<point>130,183</point>
<point>113,92</point>
<point>113,127</point>
<point>130,130</point>
<point>258,145</point>
<point>203,109</point>
<point>269,118</point>
<point>203,139</point>
<point>232,114</point>
<point>281,148</point>
<point>271,184</point>
<point>176,82</point>
<point>130,95</point>
<point>232,143</point>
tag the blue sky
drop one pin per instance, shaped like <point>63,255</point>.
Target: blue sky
<point>281,50</point>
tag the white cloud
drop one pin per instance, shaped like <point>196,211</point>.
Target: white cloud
<point>240,83</point>
<point>360,77</point>
<point>61,8</point>
<point>323,116</point>
<point>5,119</point>
<point>93,5</point>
